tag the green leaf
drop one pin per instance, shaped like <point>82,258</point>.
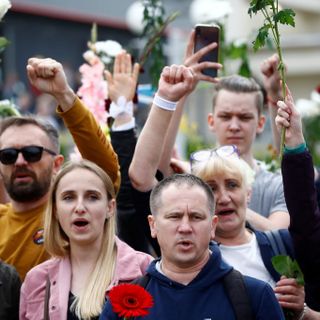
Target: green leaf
<point>285,16</point>
<point>298,275</point>
<point>286,267</point>
<point>281,264</point>
<point>3,42</point>
<point>261,38</point>
<point>244,69</point>
<point>257,5</point>
<point>237,51</point>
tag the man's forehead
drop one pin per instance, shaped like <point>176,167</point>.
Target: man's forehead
<point>181,191</point>
<point>236,100</point>
<point>235,109</point>
<point>28,134</point>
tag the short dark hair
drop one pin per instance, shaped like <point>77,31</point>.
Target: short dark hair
<point>45,126</point>
<point>178,180</point>
<point>240,84</point>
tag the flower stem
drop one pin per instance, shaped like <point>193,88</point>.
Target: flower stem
<point>283,85</point>
<point>281,68</point>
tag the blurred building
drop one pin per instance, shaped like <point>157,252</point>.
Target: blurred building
<point>61,29</point>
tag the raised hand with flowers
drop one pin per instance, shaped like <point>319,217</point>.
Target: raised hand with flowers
<point>273,15</point>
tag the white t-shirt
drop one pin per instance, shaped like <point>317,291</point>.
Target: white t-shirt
<point>247,259</point>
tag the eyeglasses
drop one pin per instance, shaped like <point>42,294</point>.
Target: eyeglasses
<point>205,155</point>
<point>30,154</point>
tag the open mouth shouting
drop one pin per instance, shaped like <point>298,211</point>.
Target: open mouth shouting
<point>80,224</point>
<point>185,244</point>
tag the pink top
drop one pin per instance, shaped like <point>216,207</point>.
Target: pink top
<point>130,264</point>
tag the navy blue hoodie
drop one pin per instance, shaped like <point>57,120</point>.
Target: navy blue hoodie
<point>204,298</point>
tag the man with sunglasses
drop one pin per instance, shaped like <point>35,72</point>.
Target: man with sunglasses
<point>236,119</point>
<point>29,158</point>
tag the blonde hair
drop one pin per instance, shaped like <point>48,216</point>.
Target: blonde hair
<point>90,301</point>
<point>232,165</point>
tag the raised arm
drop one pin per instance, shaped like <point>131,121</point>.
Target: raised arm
<point>272,85</point>
<point>47,76</point>
<point>175,82</point>
<point>191,60</point>
<point>121,88</point>
<point>300,195</point>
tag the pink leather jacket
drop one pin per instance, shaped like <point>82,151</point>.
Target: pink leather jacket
<point>130,265</point>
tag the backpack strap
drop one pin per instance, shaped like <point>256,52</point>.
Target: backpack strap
<point>276,242</point>
<point>142,281</point>
<point>236,290</point>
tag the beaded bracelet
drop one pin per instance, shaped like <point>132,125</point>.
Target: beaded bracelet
<point>164,104</point>
<point>303,312</point>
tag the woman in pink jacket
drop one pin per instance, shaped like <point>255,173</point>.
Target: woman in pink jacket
<point>87,258</point>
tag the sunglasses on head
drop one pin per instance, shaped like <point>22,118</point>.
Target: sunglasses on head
<point>30,154</point>
<point>205,155</point>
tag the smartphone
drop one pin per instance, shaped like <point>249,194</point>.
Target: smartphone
<point>204,35</point>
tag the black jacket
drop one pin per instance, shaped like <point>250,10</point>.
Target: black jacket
<point>9,292</point>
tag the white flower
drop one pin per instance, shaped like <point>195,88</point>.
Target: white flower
<point>106,59</point>
<point>108,47</point>
<point>5,5</point>
<point>134,17</point>
<point>308,108</point>
<point>5,103</point>
<point>89,56</point>
<point>135,14</point>
<point>315,96</point>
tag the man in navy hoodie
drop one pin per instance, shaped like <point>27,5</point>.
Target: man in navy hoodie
<point>187,281</point>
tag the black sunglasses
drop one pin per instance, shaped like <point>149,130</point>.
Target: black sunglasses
<point>30,154</point>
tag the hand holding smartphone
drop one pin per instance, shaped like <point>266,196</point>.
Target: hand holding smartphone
<point>205,35</point>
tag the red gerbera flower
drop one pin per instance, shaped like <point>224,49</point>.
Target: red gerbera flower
<point>130,300</point>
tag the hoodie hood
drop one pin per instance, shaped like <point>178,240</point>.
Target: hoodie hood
<point>212,272</point>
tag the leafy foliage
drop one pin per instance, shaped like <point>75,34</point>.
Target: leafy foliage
<point>261,38</point>
<point>291,269</point>
<point>8,109</point>
<point>288,267</point>
<point>273,16</point>
<point>285,16</point>
<point>194,141</point>
<point>154,26</point>
<point>235,50</point>
<point>3,43</point>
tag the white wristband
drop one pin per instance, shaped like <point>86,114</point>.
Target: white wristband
<point>164,104</point>
<point>120,107</point>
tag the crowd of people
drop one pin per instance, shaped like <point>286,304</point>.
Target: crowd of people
<point>202,233</point>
